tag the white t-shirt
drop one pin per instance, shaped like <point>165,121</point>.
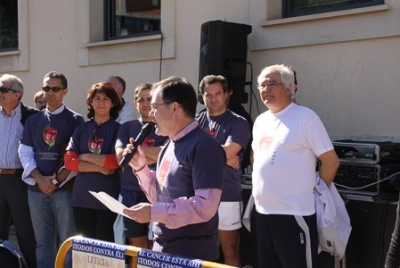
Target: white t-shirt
<point>286,146</point>
<point>128,113</point>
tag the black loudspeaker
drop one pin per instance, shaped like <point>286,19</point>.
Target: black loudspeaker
<point>369,241</point>
<point>223,51</point>
<point>372,224</point>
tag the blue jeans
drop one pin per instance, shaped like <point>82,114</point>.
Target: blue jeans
<point>50,213</point>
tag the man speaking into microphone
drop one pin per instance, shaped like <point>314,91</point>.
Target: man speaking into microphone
<point>136,233</point>
<point>185,190</point>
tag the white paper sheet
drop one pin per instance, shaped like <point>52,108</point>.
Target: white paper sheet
<point>110,202</point>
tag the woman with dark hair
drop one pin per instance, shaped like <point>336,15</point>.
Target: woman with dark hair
<point>91,154</point>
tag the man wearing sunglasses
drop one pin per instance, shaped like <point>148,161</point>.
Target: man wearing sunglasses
<point>41,151</point>
<point>13,194</point>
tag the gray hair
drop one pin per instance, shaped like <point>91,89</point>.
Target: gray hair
<point>15,83</point>
<point>287,76</point>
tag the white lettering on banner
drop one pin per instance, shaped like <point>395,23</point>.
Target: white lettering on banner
<point>149,258</point>
<point>98,243</point>
<point>195,263</point>
<point>179,260</point>
<point>104,252</point>
<point>81,247</point>
<point>158,256</point>
<point>149,263</point>
<point>167,265</point>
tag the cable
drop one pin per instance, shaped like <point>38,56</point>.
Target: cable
<point>161,50</point>
<point>383,219</point>
<point>251,87</point>
<point>252,92</point>
<point>368,185</point>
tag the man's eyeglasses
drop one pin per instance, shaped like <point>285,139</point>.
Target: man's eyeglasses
<point>54,89</point>
<point>271,85</point>
<point>6,90</point>
<point>155,106</point>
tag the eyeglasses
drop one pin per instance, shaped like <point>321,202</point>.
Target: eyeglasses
<point>54,89</point>
<point>271,85</point>
<point>155,106</point>
<point>6,90</point>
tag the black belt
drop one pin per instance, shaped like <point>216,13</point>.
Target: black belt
<point>10,171</point>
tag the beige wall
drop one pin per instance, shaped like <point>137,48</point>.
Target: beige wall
<point>348,65</point>
<point>348,62</point>
<point>353,86</point>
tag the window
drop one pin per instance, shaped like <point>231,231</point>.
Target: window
<point>294,8</point>
<point>8,25</point>
<point>101,45</point>
<point>14,52</point>
<point>131,18</point>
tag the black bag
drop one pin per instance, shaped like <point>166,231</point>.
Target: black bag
<point>10,255</point>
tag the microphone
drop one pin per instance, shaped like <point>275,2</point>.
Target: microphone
<point>144,132</point>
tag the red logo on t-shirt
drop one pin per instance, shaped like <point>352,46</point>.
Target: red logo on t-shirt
<point>212,132</point>
<point>265,142</point>
<point>149,142</point>
<point>49,135</point>
<point>95,144</point>
<point>162,174</point>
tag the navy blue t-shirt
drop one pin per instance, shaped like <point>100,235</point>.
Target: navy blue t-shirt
<point>95,139</point>
<point>48,134</point>
<point>233,128</point>
<point>129,130</point>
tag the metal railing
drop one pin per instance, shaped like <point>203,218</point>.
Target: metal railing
<point>130,251</point>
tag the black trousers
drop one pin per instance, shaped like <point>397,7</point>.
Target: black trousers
<point>393,254</point>
<point>282,241</point>
<point>95,223</point>
<point>14,206</point>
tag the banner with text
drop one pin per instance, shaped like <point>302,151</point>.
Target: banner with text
<point>95,253</point>
<point>152,259</point>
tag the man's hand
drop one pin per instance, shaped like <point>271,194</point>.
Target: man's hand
<point>138,160</point>
<point>231,151</point>
<point>140,213</point>
<point>233,162</point>
<point>45,184</point>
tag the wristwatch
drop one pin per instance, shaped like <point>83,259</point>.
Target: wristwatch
<point>55,182</point>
